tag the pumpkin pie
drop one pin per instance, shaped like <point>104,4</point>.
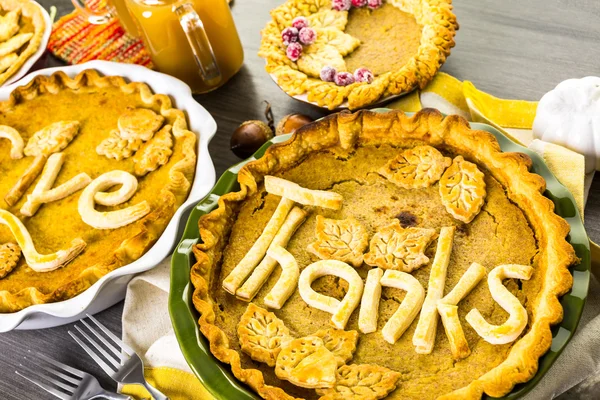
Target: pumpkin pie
<point>22,26</point>
<point>93,168</point>
<point>356,52</point>
<point>424,263</point>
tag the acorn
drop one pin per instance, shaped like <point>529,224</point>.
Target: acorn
<point>249,137</point>
<point>291,122</point>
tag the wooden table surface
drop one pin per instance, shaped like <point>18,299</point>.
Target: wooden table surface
<point>510,48</point>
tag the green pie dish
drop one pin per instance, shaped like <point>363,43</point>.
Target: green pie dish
<point>217,377</point>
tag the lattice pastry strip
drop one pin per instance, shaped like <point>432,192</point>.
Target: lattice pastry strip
<point>16,141</point>
<point>295,192</point>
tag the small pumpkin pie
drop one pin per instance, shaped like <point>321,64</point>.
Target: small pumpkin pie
<point>356,52</point>
<point>93,168</point>
<point>409,256</point>
<point>22,26</point>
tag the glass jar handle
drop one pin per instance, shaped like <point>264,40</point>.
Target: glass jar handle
<point>203,53</point>
<point>93,17</point>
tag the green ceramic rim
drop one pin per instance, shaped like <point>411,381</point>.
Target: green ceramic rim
<point>217,377</point>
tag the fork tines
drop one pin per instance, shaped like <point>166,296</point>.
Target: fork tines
<point>63,388</point>
<point>107,349</point>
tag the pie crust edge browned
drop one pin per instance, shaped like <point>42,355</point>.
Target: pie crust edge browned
<point>344,131</point>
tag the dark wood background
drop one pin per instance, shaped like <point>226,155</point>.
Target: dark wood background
<point>510,48</point>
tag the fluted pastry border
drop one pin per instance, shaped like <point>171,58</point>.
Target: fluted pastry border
<point>439,28</point>
<point>341,133</point>
<point>32,11</point>
<point>152,225</point>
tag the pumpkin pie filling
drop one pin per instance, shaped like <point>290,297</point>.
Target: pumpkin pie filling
<point>500,234</point>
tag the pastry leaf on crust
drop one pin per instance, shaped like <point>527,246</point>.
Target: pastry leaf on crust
<point>10,254</point>
<point>418,167</point>
<point>340,239</point>
<point>319,56</point>
<point>343,42</point>
<point>462,189</point>
<point>361,382</point>
<point>328,19</point>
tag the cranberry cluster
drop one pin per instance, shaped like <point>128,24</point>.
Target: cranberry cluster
<point>345,5</point>
<point>329,74</point>
<point>297,35</point>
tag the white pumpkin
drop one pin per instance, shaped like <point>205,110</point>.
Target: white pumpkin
<point>569,115</point>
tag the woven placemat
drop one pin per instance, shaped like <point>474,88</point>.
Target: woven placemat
<point>75,40</point>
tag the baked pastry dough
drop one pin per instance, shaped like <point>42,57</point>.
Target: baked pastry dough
<point>10,254</point>
<point>307,363</point>
<point>7,60</point>
<point>261,273</point>
<point>341,310</point>
<point>293,191</point>
<point>369,304</point>
<point>257,252</point>
<point>288,280</point>
<point>395,247</point>
<point>408,309</point>
<point>360,382</point>
<point>9,24</point>
<point>114,146</point>
<point>462,189</point>
<point>341,343</point>
<point>517,320</point>
<point>139,123</point>
<point>110,219</point>
<point>16,141</point>
<point>14,43</point>
<point>25,180</point>
<point>340,239</point>
<point>419,167</point>
<point>465,284</point>
<point>154,153</point>
<point>52,139</point>
<point>39,262</point>
<point>424,337</point>
<point>262,335</point>
<point>42,193</point>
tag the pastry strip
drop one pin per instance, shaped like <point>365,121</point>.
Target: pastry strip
<point>341,310</point>
<point>16,141</point>
<point>369,305</point>
<point>9,24</point>
<point>256,253</point>
<point>261,273</point>
<point>408,309</point>
<point>43,194</point>
<point>14,43</point>
<point>465,284</point>
<point>291,190</point>
<point>124,193</point>
<point>109,219</point>
<point>454,331</point>
<point>32,172</point>
<point>288,280</point>
<point>424,337</point>
<point>36,261</point>
<point>517,320</point>
<point>7,60</point>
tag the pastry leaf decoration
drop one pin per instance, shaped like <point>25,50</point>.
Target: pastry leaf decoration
<point>10,254</point>
<point>344,43</point>
<point>262,334</point>
<point>344,240</point>
<point>361,382</point>
<point>462,189</point>
<point>418,167</point>
<point>394,247</point>
<point>328,19</point>
<point>341,343</point>
<point>319,56</point>
<point>52,138</point>
<point>154,153</point>
<point>114,146</point>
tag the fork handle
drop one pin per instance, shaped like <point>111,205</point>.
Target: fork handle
<point>156,394</point>
<point>105,394</point>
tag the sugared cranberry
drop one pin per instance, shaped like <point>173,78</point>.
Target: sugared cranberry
<point>300,22</point>
<point>294,51</point>
<point>341,5</point>
<point>307,35</point>
<point>344,79</point>
<point>363,75</point>
<point>359,3</point>
<point>328,74</point>
<point>373,4</point>
<point>289,35</point>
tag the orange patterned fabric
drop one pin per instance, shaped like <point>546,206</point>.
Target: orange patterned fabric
<point>76,41</point>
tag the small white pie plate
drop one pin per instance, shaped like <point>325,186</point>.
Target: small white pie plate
<point>110,289</point>
<point>40,51</point>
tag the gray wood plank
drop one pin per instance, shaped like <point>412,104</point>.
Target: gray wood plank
<point>511,48</point>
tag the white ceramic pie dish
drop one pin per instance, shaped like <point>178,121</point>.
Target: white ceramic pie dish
<point>38,54</point>
<point>110,289</point>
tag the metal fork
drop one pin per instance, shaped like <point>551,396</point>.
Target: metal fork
<point>124,365</point>
<point>73,384</point>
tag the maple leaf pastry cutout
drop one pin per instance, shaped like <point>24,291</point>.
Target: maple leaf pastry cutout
<point>397,248</point>
<point>340,239</point>
<point>419,167</point>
